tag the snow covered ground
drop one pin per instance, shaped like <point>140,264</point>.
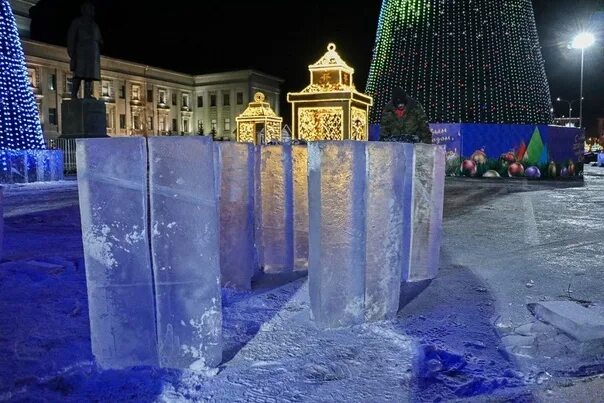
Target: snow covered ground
<point>466,335</point>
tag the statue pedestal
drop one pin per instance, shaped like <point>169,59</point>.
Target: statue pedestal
<point>82,118</point>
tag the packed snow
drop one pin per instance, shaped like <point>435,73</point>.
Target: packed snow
<point>468,334</point>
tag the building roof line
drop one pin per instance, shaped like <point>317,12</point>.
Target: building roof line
<point>147,68</point>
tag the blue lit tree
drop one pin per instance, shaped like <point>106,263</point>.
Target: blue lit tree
<point>19,118</point>
<point>465,61</point>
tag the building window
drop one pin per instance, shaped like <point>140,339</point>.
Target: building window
<point>110,118</point>
<point>149,124</point>
<point>227,125</point>
<point>185,125</point>
<point>213,100</point>
<point>240,98</point>
<point>163,95</point>
<point>106,89</point>
<point>174,125</point>
<point>122,121</point>
<point>122,91</point>
<point>52,116</point>
<point>31,74</point>
<point>185,100</point>
<point>200,101</point>
<point>136,92</point>
<point>174,100</point>
<point>162,124</point>
<point>150,95</point>
<point>226,99</point>
<point>52,82</point>
<point>69,85</point>
<point>214,125</point>
<point>136,122</point>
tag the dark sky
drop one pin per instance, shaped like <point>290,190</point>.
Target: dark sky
<point>283,37</point>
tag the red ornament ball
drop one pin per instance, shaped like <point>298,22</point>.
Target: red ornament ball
<point>468,168</point>
<point>515,169</point>
<point>509,156</point>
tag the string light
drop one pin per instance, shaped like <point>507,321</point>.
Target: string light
<point>19,118</point>
<point>463,60</point>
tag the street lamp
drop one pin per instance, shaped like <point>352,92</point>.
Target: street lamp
<point>582,41</point>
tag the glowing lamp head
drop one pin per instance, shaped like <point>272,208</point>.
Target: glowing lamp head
<point>583,40</point>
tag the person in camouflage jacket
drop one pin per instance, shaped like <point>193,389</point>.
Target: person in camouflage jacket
<point>404,120</point>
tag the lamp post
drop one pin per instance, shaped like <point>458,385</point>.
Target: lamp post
<point>582,41</point>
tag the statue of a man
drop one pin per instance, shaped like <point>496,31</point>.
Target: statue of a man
<point>83,45</point>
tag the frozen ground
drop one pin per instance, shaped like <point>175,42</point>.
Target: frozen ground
<point>467,335</point>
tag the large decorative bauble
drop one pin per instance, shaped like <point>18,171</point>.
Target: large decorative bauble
<point>468,167</point>
<point>491,174</point>
<point>564,172</point>
<point>515,169</point>
<point>551,169</point>
<point>571,168</point>
<point>532,172</point>
<point>479,156</point>
<point>509,157</point>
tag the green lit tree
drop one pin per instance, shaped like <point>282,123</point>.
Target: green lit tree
<point>464,61</point>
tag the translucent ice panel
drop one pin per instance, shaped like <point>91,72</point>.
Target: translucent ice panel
<point>185,250</point>
<point>336,232</point>
<point>276,208</point>
<point>235,162</point>
<point>112,183</point>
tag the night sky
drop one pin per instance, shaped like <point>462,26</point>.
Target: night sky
<point>283,38</point>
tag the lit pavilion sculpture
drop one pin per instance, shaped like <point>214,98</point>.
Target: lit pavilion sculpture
<point>257,116</point>
<point>330,108</point>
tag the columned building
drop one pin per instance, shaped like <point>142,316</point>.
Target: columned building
<point>141,99</point>
<point>144,100</point>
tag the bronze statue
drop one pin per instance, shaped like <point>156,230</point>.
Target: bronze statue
<point>83,45</point>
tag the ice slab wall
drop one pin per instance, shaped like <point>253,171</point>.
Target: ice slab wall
<point>387,216</point>
<point>112,183</point>
<point>27,166</point>
<point>427,195</point>
<point>185,245</point>
<point>300,188</point>
<point>336,267</point>
<point>236,179</point>
<point>150,226</point>
<point>274,208</point>
<point>375,217</point>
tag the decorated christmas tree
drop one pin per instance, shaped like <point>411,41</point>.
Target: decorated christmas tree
<point>464,61</point>
<point>19,119</point>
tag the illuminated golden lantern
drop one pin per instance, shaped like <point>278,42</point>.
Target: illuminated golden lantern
<point>258,124</point>
<point>330,108</point>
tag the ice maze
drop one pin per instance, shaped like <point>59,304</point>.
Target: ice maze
<point>167,221</point>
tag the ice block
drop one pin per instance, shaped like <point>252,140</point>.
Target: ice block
<point>428,197</point>
<point>237,186</point>
<point>300,179</point>
<point>185,251</point>
<point>259,255</point>
<point>387,215</point>
<point>276,208</point>
<point>336,266</point>
<point>112,183</point>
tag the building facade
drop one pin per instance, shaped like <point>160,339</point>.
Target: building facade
<point>144,100</point>
<point>140,99</point>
